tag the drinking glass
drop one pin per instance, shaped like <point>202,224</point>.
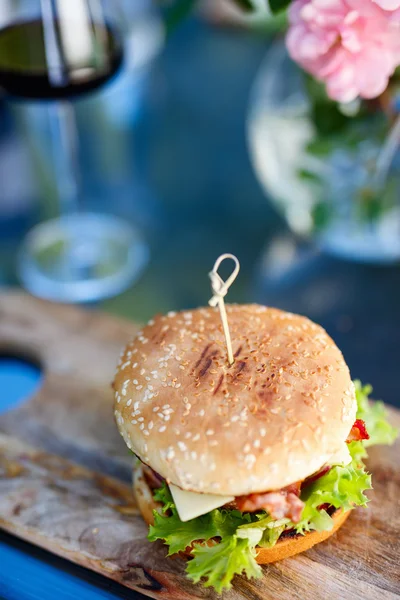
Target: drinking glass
<point>54,52</point>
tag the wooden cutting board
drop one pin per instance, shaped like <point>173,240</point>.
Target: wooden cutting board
<point>65,477</point>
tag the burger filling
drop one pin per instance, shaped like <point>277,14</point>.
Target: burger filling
<point>223,541</point>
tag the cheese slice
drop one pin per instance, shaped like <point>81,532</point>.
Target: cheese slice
<point>340,457</point>
<point>191,504</point>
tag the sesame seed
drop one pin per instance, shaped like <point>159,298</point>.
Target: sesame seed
<point>150,425</point>
<point>201,412</point>
<point>213,443</point>
<point>141,426</point>
<point>123,391</point>
<point>139,387</point>
<point>129,402</point>
<point>162,428</point>
<point>182,446</point>
<point>246,448</point>
<point>134,422</point>
<point>305,444</point>
<point>140,419</point>
<point>126,364</point>
<point>210,432</point>
<point>249,460</point>
<point>134,366</point>
<point>263,432</point>
<point>196,437</point>
<point>256,443</point>
<point>193,455</point>
<point>156,409</point>
<point>170,454</point>
<point>166,418</point>
<point>188,435</point>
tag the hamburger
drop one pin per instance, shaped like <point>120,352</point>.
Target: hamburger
<point>244,464</point>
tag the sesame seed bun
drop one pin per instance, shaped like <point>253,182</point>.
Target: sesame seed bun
<point>274,417</point>
<point>285,547</point>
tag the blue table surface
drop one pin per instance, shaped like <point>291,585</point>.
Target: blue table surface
<point>26,572</point>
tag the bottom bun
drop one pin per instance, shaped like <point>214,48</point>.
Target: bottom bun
<point>287,546</point>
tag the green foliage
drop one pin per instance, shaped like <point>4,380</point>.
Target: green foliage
<point>178,11</point>
<point>277,6</point>
<point>321,215</point>
<point>325,113</point>
<point>245,5</point>
<point>339,134</point>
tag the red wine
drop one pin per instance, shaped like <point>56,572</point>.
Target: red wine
<point>30,69</point>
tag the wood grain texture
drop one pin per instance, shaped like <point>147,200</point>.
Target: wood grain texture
<point>64,477</point>
<point>71,415</point>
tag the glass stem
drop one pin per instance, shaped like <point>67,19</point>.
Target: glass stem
<point>64,137</point>
<point>387,154</point>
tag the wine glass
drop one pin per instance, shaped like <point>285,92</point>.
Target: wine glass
<point>55,51</point>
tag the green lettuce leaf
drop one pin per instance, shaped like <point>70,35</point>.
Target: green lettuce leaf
<point>374,414</point>
<point>219,562</point>
<point>178,535</point>
<point>357,451</point>
<point>342,487</point>
<point>265,531</point>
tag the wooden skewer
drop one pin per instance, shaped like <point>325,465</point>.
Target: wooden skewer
<point>220,289</point>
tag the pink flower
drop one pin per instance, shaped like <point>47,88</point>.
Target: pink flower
<point>351,45</point>
<point>388,4</point>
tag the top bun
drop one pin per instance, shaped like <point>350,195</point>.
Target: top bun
<point>274,417</point>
